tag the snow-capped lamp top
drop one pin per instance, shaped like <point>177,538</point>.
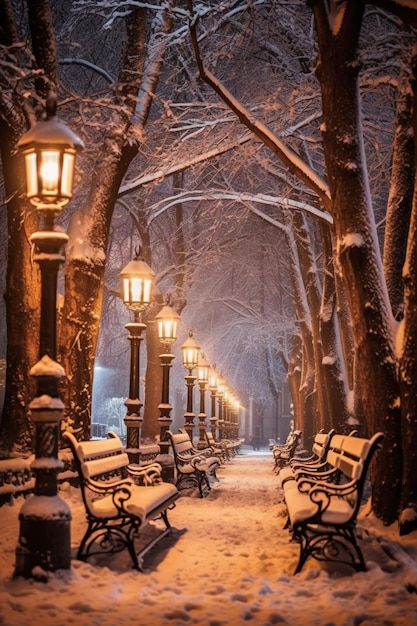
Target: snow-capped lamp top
<point>49,150</point>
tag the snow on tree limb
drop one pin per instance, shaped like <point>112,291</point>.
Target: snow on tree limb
<point>156,177</point>
<point>288,157</point>
<point>244,197</point>
<point>161,25</point>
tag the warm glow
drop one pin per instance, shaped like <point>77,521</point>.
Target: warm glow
<point>168,321</point>
<point>221,388</point>
<point>190,351</point>
<point>67,178</point>
<point>49,172</point>
<point>212,380</point>
<point>31,175</point>
<point>137,281</point>
<point>203,369</point>
<point>49,150</point>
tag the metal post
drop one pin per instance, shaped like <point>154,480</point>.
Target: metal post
<point>189,415</point>
<point>220,420</point>
<point>165,459</point>
<point>202,416</point>
<point>133,419</point>
<point>44,536</point>
<point>213,418</point>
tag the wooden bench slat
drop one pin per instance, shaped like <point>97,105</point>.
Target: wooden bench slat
<point>98,467</point>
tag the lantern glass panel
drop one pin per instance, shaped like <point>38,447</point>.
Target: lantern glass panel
<point>190,357</point>
<point>49,173</point>
<point>136,291</point>
<point>203,372</point>
<point>212,380</point>
<point>167,330</point>
<point>67,179</point>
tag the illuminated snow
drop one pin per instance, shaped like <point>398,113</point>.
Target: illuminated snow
<point>228,562</point>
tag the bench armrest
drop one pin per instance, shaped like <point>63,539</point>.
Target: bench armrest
<point>148,475</point>
<point>120,491</point>
<point>313,487</point>
<point>185,459</point>
<point>103,488</point>
<point>197,459</point>
<point>308,479</point>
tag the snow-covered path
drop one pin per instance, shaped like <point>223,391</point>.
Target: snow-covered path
<point>228,561</point>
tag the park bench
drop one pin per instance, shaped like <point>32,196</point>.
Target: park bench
<point>284,453</point>
<point>218,447</point>
<point>322,508</point>
<point>233,445</point>
<point>315,462</point>
<point>120,498</point>
<point>193,467</point>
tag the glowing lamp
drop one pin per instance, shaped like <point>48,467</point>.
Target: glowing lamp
<point>49,150</point>
<point>190,351</point>
<point>203,369</point>
<point>137,282</point>
<point>168,321</point>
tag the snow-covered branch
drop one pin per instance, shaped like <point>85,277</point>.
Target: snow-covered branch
<point>289,158</point>
<point>161,25</point>
<point>91,66</point>
<point>243,197</point>
<point>159,175</point>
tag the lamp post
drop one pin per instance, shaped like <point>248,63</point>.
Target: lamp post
<point>190,351</point>
<point>213,391</point>
<point>49,150</point>
<point>137,281</point>
<point>221,388</point>
<point>203,369</point>
<point>234,417</point>
<point>168,321</point>
<point>226,414</point>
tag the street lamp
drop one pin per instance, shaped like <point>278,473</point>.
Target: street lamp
<point>49,150</point>
<point>221,389</point>
<point>203,369</point>
<point>190,351</point>
<point>213,391</point>
<point>168,321</point>
<point>137,280</point>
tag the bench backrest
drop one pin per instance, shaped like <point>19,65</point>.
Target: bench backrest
<point>295,440</point>
<point>99,459</point>
<point>321,443</point>
<point>181,443</point>
<point>352,455</point>
<point>209,437</point>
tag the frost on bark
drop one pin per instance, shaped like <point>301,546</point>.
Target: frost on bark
<point>303,357</point>
<point>399,203</point>
<point>334,374</point>
<point>408,361</point>
<point>357,245</point>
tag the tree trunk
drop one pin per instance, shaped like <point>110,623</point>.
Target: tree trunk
<point>357,246</point>
<point>23,279</point>
<point>333,368</point>
<point>153,385</point>
<point>307,391</point>
<point>408,359</point>
<point>399,204</point>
